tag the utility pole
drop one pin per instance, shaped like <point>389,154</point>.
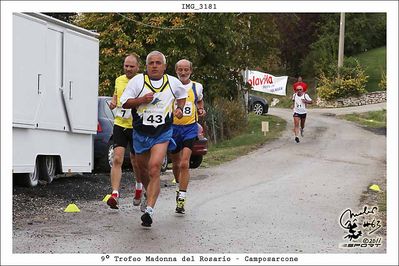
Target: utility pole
<point>245,74</point>
<point>341,40</point>
<point>246,68</point>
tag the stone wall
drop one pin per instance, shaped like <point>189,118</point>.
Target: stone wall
<point>367,98</point>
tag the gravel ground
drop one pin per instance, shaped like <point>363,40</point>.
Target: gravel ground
<point>38,203</point>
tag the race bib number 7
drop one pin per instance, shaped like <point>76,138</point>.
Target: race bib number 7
<point>124,113</point>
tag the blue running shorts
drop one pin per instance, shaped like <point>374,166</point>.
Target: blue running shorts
<point>184,136</point>
<point>143,143</point>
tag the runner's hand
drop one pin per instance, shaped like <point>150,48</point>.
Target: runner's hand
<point>178,113</point>
<point>148,97</point>
<point>112,105</point>
<point>201,112</point>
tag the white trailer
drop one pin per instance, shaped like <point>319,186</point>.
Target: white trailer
<point>55,94</point>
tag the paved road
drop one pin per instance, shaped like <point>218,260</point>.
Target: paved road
<point>282,198</point>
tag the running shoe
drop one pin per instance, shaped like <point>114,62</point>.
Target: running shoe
<point>137,197</point>
<point>113,201</point>
<point>301,132</point>
<point>146,220</point>
<point>297,139</point>
<point>143,204</point>
<point>180,205</point>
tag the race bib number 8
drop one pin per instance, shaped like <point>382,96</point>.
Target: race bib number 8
<point>188,109</point>
<point>124,113</point>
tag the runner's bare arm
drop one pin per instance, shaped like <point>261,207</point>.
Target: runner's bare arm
<point>112,103</point>
<point>200,108</point>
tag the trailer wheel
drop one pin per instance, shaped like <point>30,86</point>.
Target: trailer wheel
<point>28,179</point>
<point>48,168</point>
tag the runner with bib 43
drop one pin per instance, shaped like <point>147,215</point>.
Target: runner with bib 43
<point>151,96</point>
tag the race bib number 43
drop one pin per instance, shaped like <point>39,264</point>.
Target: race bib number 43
<point>153,118</point>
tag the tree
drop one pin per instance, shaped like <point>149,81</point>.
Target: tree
<point>297,32</point>
<point>66,17</point>
<point>215,43</point>
<point>363,31</point>
<point>117,40</point>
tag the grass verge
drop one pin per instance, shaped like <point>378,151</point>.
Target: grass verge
<point>374,119</point>
<point>251,139</point>
<point>374,62</point>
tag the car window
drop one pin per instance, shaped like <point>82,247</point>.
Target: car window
<point>110,113</point>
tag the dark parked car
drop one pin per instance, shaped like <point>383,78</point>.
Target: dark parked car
<point>200,148</point>
<point>257,104</point>
<point>103,140</point>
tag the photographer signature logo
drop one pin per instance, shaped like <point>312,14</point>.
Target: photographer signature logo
<point>360,228</point>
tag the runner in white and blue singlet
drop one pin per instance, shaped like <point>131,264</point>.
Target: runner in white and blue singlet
<point>151,97</point>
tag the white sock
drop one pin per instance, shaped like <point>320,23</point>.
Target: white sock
<point>149,210</point>
<point>115,192</point>
<point>182,194</point>
<point>139,186</point>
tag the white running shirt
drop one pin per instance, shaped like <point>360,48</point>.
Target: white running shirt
<point>151,118</point>
<point>299,106</point>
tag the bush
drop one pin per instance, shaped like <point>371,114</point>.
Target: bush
<point>225,119</point>
<point>348,80</point>
<point>383,82</point>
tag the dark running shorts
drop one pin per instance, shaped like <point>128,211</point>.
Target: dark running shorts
<point>123,137</point>
<point>299,115</point>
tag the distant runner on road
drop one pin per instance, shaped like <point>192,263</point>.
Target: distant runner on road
<point>300,82</point>
<point>300,99</point>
